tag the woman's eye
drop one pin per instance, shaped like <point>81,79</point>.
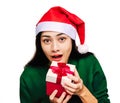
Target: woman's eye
<point>62,39</point>
<point>46,41</point>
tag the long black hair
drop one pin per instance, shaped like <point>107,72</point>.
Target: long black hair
<point>39,58</point>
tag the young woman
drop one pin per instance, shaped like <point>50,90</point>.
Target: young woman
<point>55,41</point>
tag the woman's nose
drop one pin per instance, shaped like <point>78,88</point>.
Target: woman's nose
<point>55,47</point>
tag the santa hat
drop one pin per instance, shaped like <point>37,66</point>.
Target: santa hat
<point>60,20</point>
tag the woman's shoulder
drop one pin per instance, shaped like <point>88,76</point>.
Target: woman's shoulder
<point>30,71</point>
<point>85,58</point>
<point>90,57</point>
<point>90,62</point>
<point>87,62</point>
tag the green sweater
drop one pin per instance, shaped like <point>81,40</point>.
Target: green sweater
<point>33,85</point>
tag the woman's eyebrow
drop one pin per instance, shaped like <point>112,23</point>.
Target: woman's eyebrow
<point>60,34</point>
<point>45,36</point>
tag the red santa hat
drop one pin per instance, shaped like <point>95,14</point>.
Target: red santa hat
<point>60,20</point>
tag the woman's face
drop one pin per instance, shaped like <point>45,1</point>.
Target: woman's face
<point>56,46</point>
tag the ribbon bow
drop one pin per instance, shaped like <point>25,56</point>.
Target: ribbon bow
<point>61,70</point>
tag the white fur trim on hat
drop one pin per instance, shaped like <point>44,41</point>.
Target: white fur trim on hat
<point>83,48</point>
<point>68,29</point>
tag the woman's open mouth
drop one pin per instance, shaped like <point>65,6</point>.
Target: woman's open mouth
<point>56,57</point>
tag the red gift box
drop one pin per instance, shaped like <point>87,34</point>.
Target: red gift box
<point>56,75</point>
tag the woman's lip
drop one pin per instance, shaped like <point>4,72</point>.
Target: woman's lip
<point>56,57</point>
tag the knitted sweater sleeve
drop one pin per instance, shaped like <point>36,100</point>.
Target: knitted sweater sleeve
<point>24,92</point>
<point>32,86</point>
<point>99,83</point>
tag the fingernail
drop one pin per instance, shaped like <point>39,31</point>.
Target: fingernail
<point>64,93</point>
<point>56,90</point>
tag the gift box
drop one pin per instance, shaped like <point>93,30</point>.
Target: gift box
<point>56,75</point>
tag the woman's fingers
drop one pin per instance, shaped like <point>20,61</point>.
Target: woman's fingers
<point>52,96</point>
<point>62,99</point>
<point>75,86</point>
<point>73,78</point>
<point>71,87</point>
<point>67,99</point>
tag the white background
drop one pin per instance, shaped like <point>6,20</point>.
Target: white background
<point>17,34</point>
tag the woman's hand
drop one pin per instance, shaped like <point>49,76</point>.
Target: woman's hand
<point>78,88</point>
<point>62,99</point>
<point>74,87</point>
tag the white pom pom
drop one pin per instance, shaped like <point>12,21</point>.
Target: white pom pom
<point>83,49</point>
